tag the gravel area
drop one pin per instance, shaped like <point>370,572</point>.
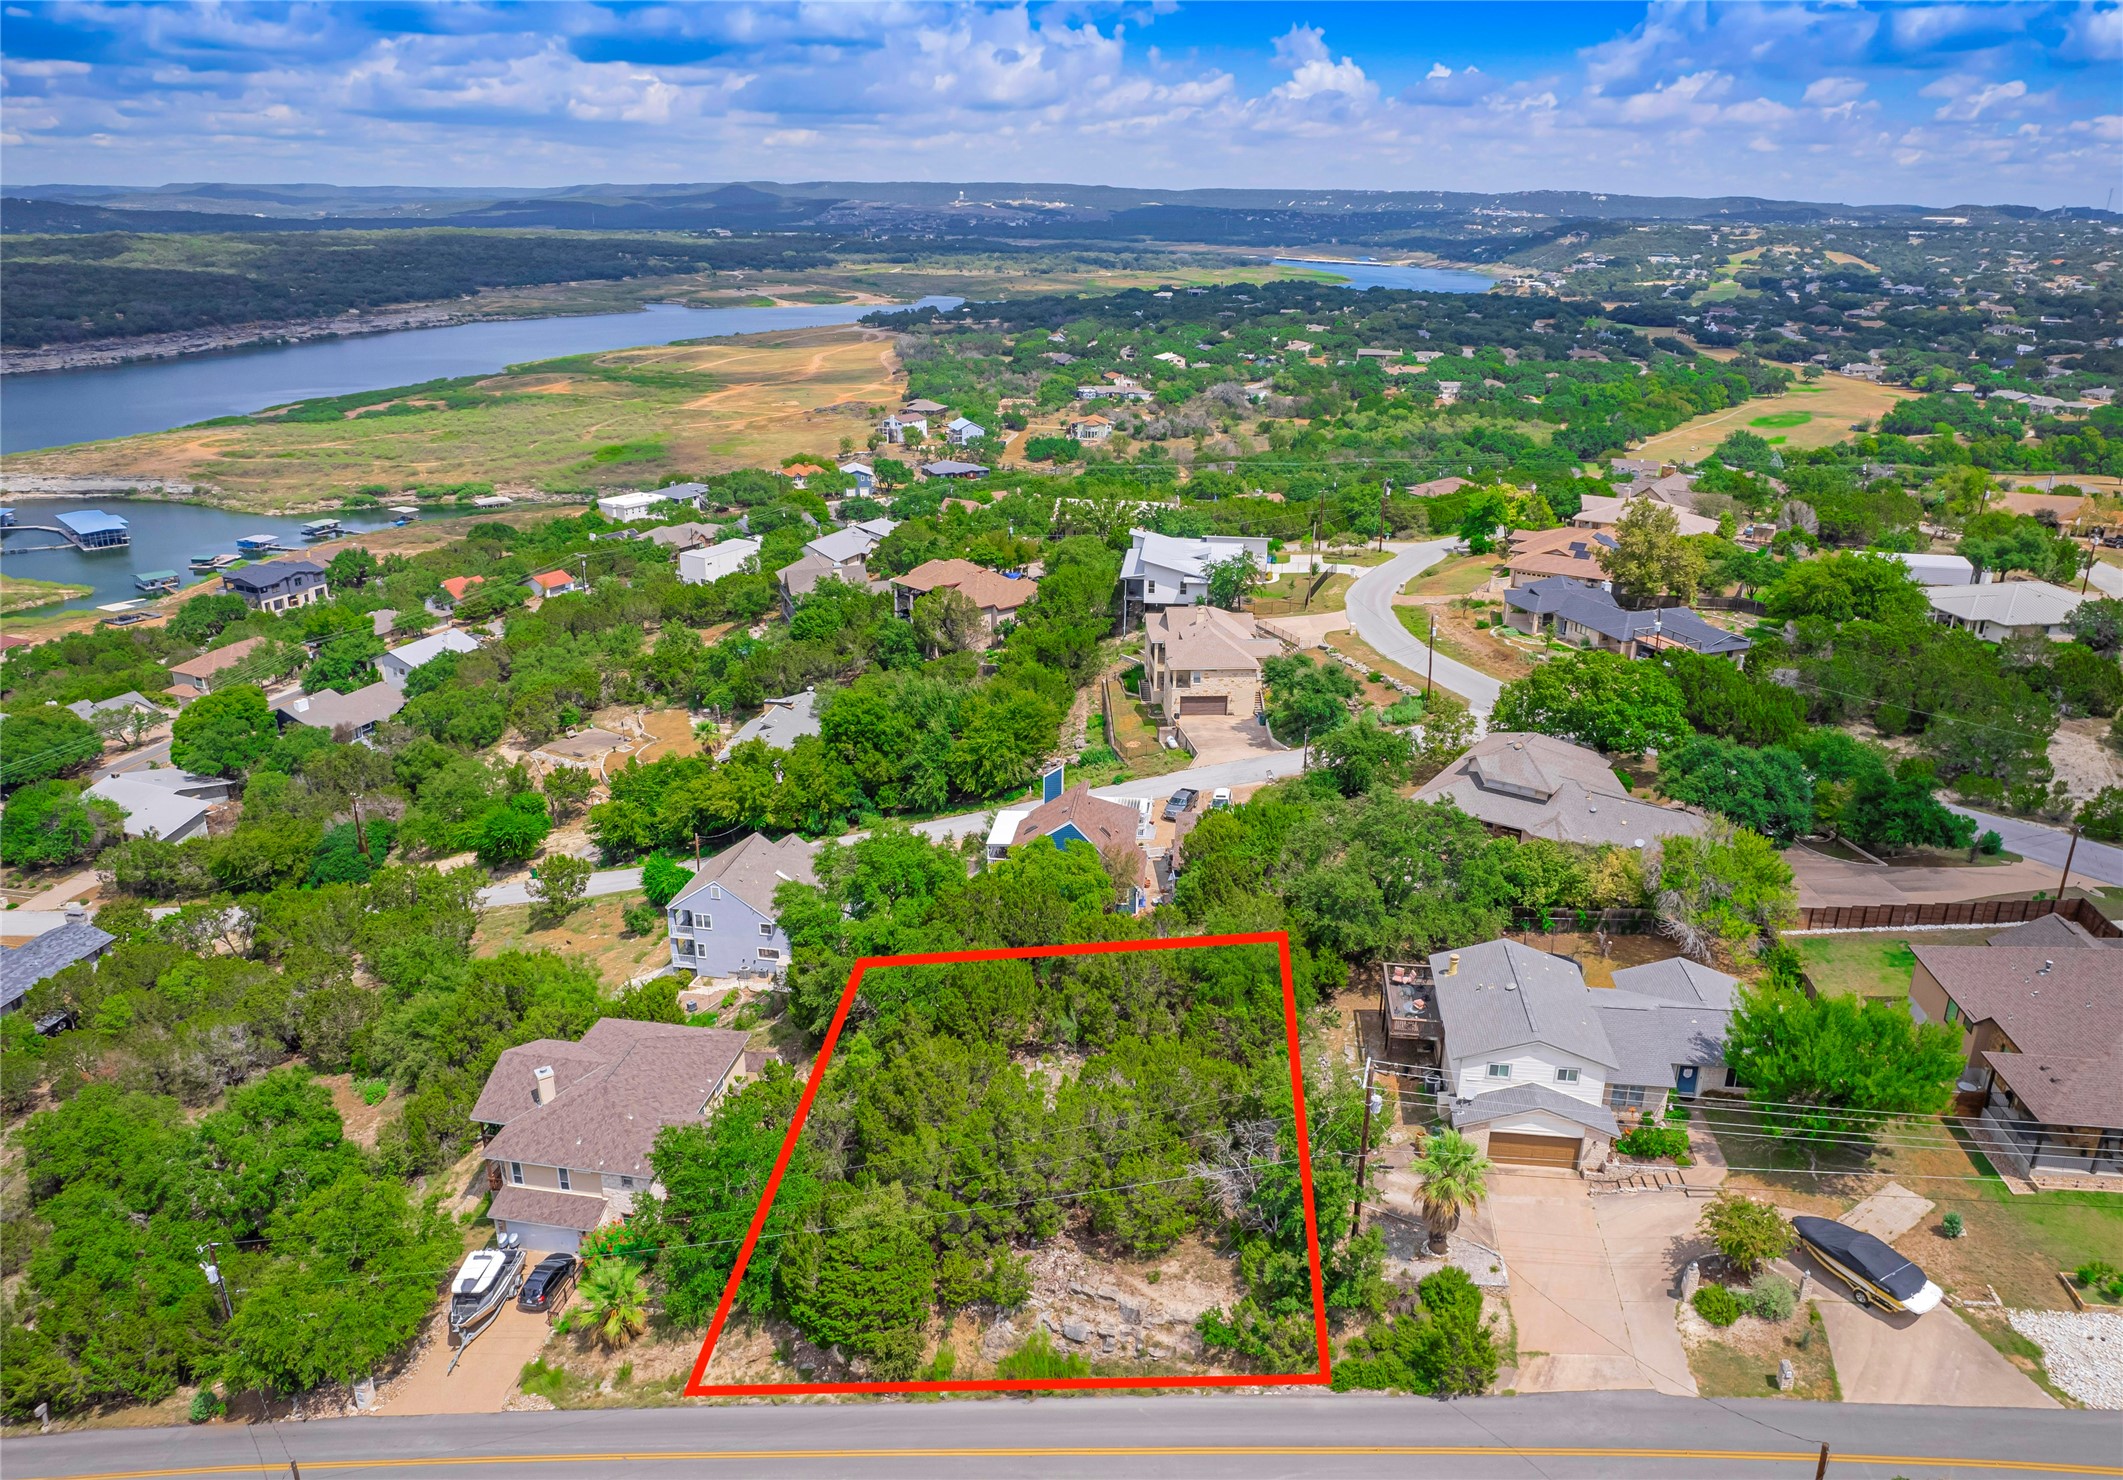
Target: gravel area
<point>2083,1351</point>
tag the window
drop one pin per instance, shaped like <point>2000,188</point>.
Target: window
<point>1566,1076</point>
<point>1499,1071</point>
<point>564,1187</point>
<point>766,928</point>
<point>516,1174</point>
<point>1625,1096</point>
<point>626,1182</point>
<point>705,922</point>
<point>715,891</point>
<point>1953,1010</point>
<point>768,953</point>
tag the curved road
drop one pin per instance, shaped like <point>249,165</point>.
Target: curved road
<point>1251,1436</point>
<point>1371,613</point>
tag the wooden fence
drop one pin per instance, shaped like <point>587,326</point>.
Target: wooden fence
<point>1964,912</point>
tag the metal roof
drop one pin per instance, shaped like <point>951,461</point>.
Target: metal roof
<point>90,521</point>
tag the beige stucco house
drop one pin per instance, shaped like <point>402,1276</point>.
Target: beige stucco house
<point>1203,660</point>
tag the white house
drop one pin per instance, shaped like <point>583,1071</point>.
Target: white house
<point>170,804</point>
<point>397,665</point>
<point>705,563</point>
<point>1927,569</point>
<point>1536,1064</point>
<point>625,507</point>
<point>895,428</point>
<point>1163,570</point>
<point>959,432</point>
<point>2005,609</point>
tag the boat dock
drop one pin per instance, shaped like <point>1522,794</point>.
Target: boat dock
<point>155,580</point>
<point>84,529</point>
<point>208,564</point>
<point>258,544</point>
<point>320,529</point>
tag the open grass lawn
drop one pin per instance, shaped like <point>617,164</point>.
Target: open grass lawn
<point>593,934</point>
<point>1458,575</point>
<point>627,416</point>
<point>1832,403</point>
<point>1782,419</point>
<point>2013,1244</point>
<point>1873,964</point>
<point>1741,1361</point>
<point>1460,639</point>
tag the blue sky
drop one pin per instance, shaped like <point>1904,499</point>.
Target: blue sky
<point>1936,104</point>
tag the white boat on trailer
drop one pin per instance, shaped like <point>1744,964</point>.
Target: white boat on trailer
<point>484,1283</point>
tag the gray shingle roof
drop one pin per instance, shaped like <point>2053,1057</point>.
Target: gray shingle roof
<point>1651,1035</point>
<point>23,966</point>
<point>753,870</point>
<point>1521,1098</point>
<point>1505,995</point>
<point>1679,980</point>
<point>329,710</point>
<point>781,724</point>
<point>1573,797</point>
<point>579,1211</point>
<point>1590,607</point>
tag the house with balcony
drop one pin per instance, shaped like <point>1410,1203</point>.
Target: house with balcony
<point>1203,660</point>
<point>568,1126</point>
<point>724,924</point>
<point>277,585</point>
<point>1161,570</point>
<point>1525,785</point>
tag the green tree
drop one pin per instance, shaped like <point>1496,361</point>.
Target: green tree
<point>1846,587</point>
<point>1650,558</point>
<point>1306,699</point>
<point>947,621</point>
<point>350,569</point>
<point>1721,891</point>
<point>1599,699</point>
<point>51,822</point>
<point>1746,1232</point>
<point>663,879</point>
<point>617,1299</point>
<point>557,891</point>
<point>39,744</point>
<point>567,789</point>
<point>201,619</point>
<point>224,733</point>
<point>1232,580</point>
<point>513,831</point>
<point>2099,624</point>
<point>867,1282</point>
<point>1765,790</point>
<point>345,663</point>
<point>1451,1179</point>
<point>1846,1061</point>
<point>2001,542</point>
<point>1364,753</point>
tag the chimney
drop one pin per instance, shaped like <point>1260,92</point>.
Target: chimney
<point>542,1088</point>
<point>1452,966</point>
<point>77,913</point>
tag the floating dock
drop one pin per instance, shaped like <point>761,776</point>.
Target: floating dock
<point>81,529</point>
<point>155,580</point>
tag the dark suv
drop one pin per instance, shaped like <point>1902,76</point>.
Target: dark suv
<point>547,1285</point>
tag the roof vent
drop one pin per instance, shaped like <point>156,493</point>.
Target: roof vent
<point>2045,968</point>
<point>1452,965</point>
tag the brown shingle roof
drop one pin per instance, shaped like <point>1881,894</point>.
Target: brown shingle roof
<point>640,1078</point>
<point>1209,638</point>
<point>2062,1008</point>
<point>579,1211</point>
<point>206,665</point>
<point>989,590</point>
<point>1106,825</point>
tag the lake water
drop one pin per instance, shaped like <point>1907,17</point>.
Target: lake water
<point>165,537</point>
<point>1388,275</point>
<point>60,407</point>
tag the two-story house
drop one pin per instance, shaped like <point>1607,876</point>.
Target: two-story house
<point>399,663</point>
<point>1203,660</point>
<point>569,1126</point>
<point>1117,830</point>
<point>997,597</point>
<point>725,924</point>
<point>198,675</point>
<point>1535,1065</point>
<point>1162,570</point>
<point>277,585</point>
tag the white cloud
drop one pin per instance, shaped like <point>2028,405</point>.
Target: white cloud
<point>1827,92</point>
<point>1314,73</point>
<point>2096,34</point>
<point>1968,97</point>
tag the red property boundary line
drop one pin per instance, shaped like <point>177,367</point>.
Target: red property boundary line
<point>1319,1377</point>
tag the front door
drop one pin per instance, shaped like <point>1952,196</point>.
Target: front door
<point>1684,1076</point>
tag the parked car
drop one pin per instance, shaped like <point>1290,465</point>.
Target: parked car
<point>547,1285</point>
<point>1220,798</point>
<point>1182,803</point>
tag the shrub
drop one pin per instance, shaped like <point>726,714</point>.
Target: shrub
<point>2099,1274</point>
<point>375,1091</point>
<point>206,1405</point>
<point>1746,1232</point>
<point>642,919</point>
<point>1037,1359</point>
<point>1952,1226</point>
<point>1772,1298</point>
<point>1990,845</point>
<point>1652,1142</point>
<point>1717,1305</point>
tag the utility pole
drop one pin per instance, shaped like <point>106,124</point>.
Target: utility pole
<point>1363,1153</point>
<point>1820,1470</point>
<point>213,1277</point>
<point>1430,672</point>
<point>2069,854</point>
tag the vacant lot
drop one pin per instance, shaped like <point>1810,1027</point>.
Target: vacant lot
<point>593,934</point>
<point>1831,404</point>
<point>1298,591</point>
<point>1459,575</point>
<point>630,416</point>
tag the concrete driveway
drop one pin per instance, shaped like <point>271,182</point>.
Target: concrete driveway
<point>1935,1358</point>
<point>484,1380</point>
<point>1593,1282</point>
<point>1218,738</point>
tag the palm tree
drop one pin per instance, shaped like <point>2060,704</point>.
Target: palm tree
<point>1450,1175</point>
<point>617,1298</point>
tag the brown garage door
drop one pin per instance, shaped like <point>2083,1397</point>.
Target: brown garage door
<point>1205,704</point>
<point>1517,1148</point>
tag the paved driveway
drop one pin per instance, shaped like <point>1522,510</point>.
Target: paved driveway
<point>1228,737</point>
<point>484,1379</point>
<point>1935,1358</point>
<point>1593,1282</point>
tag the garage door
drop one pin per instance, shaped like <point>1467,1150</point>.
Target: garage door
<point>544,1238</point>
<point>1519,1149</point>
<point>1205,704</point>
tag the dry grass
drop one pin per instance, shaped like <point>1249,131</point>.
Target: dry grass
<point>1833,402</point>
<point>745,401</point>
<point>593,935</point>
<point>1460,575</point>
<point>1741,1361</point>
<point>1286,595</point>
<point>1458,638</point>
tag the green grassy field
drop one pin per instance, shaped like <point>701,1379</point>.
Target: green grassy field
<point>1875,964</point>
<point>21,594</point>
<point>1783,419</point>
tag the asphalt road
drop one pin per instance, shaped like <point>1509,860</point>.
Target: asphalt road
<point>2048,844</point>
<point>1370,604</point>
<point>1560,1436</point>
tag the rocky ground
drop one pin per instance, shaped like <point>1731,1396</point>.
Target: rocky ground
<point>2082,1350</point>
